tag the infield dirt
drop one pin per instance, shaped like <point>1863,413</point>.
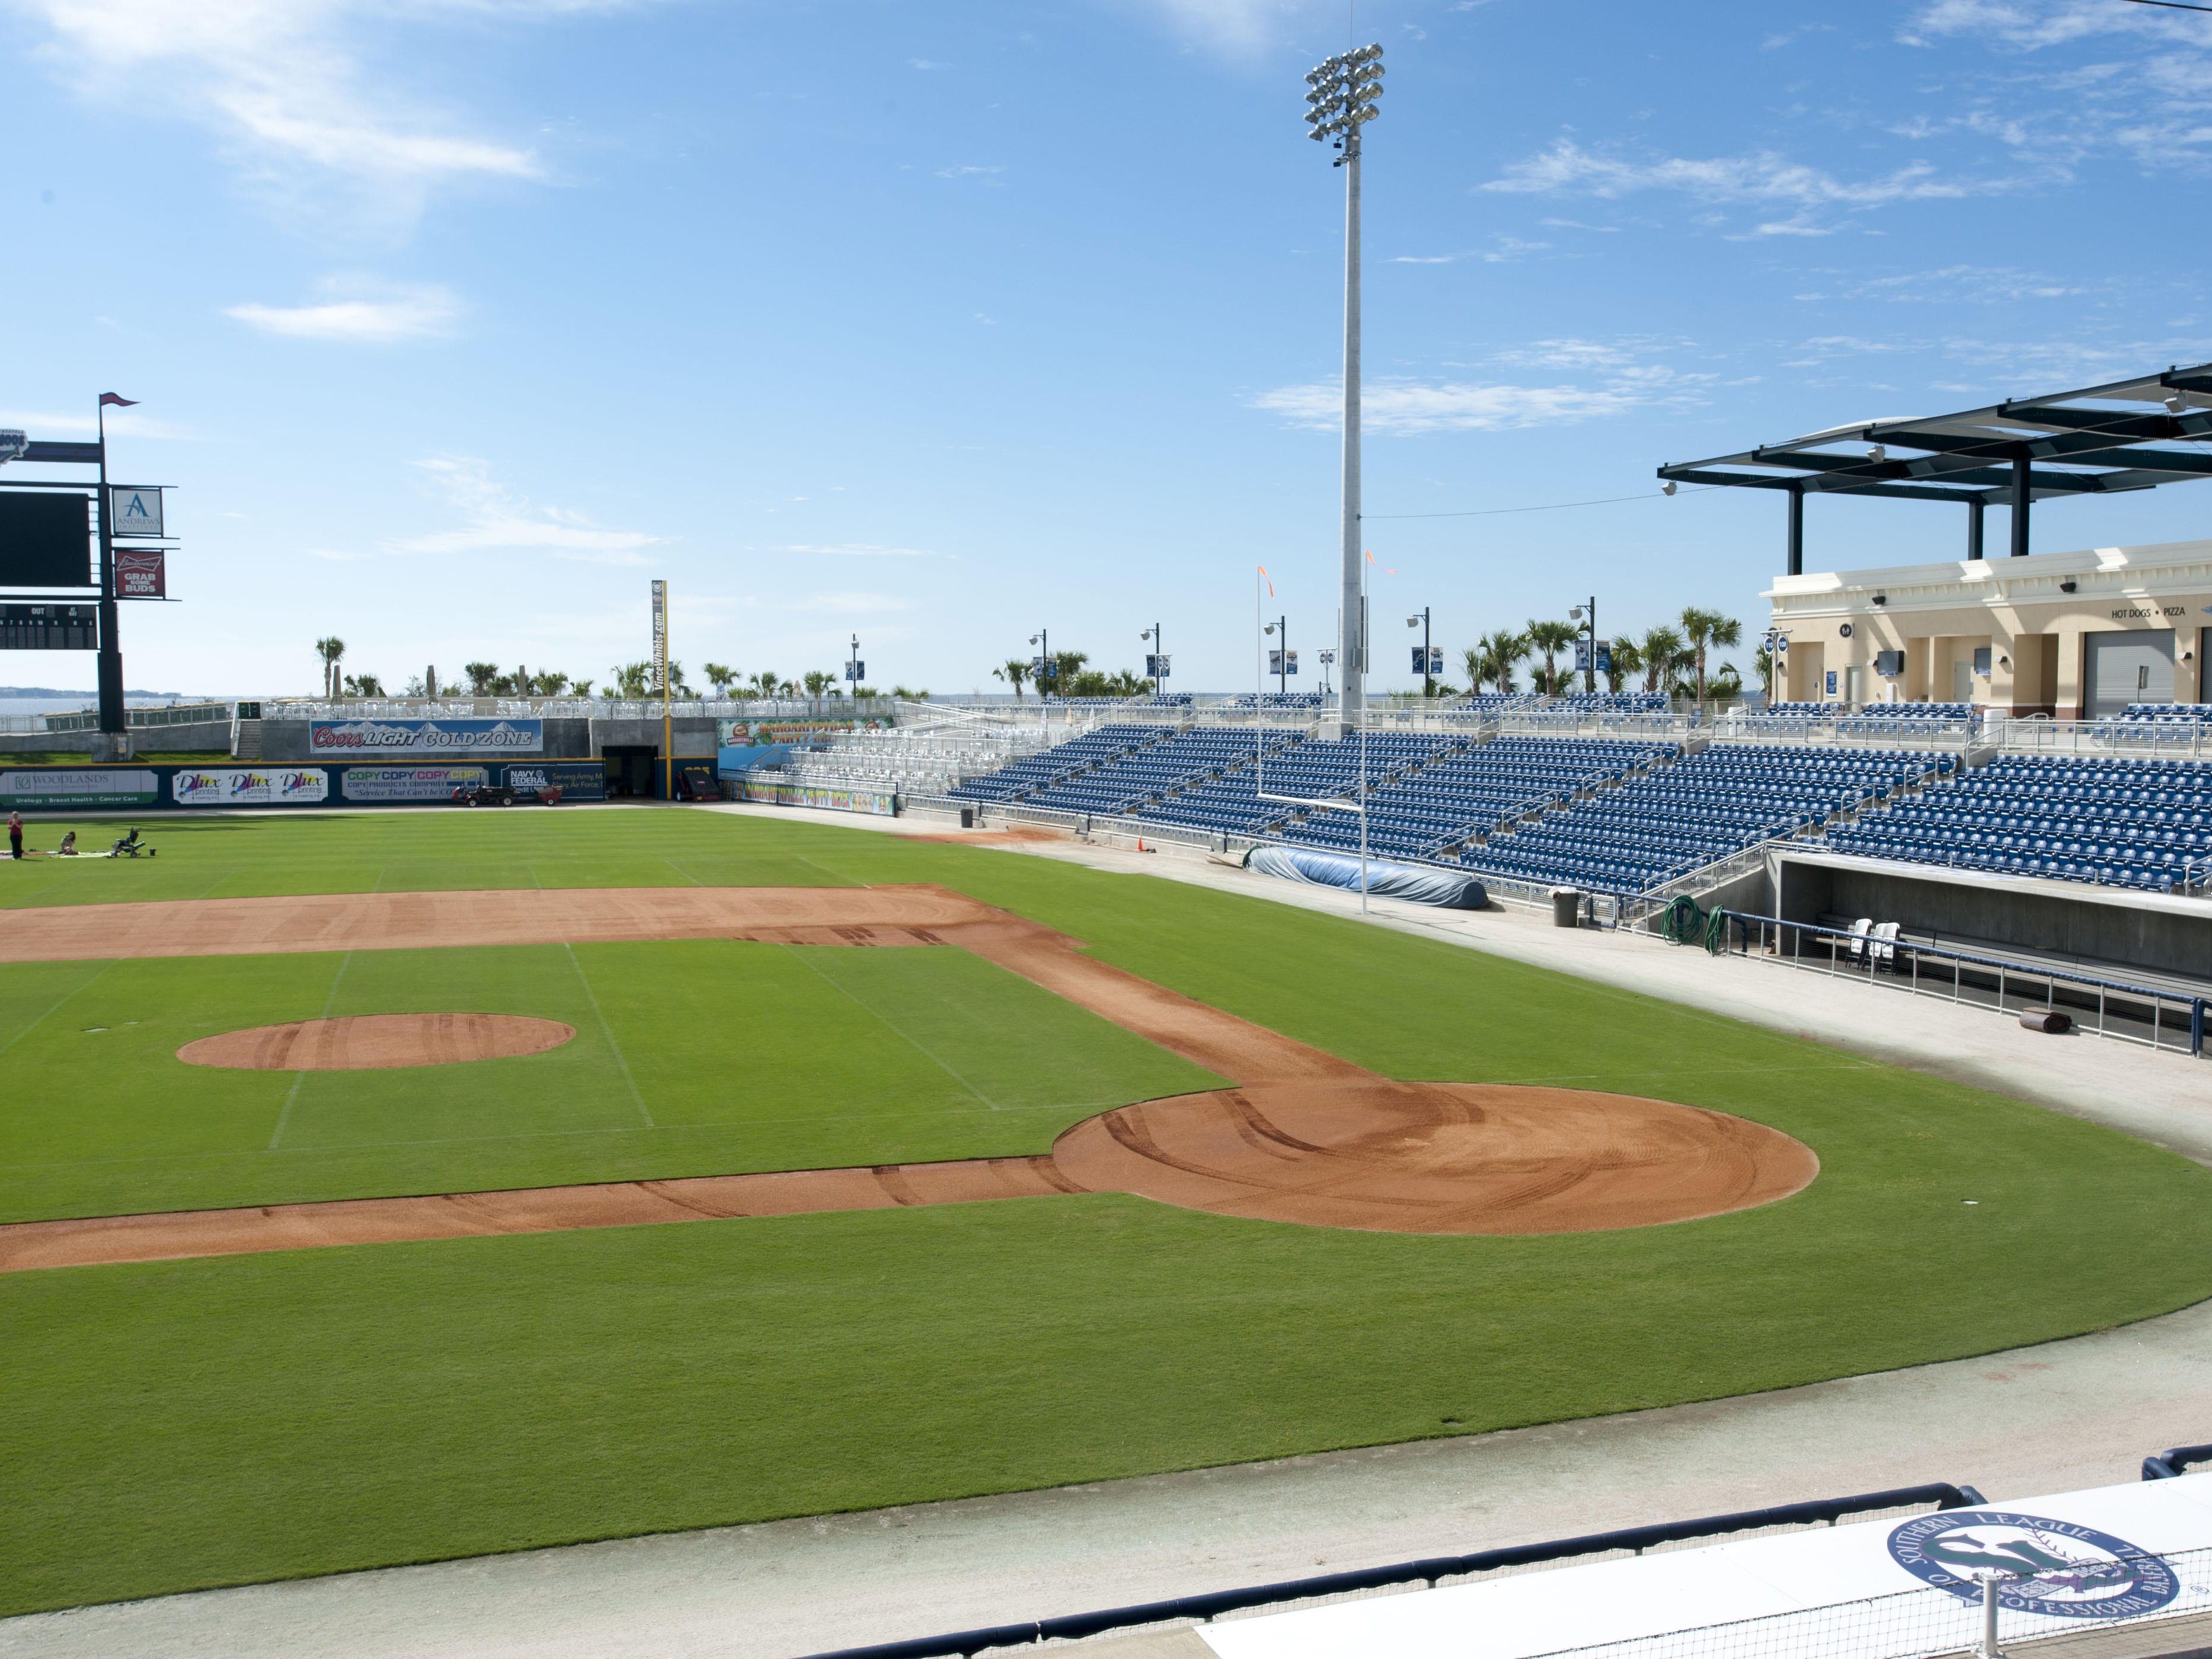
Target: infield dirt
<point>1305,1137</point>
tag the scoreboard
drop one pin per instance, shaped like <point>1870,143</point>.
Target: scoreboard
<point>49,627</point>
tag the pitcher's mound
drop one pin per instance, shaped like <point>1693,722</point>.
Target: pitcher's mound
<point>1436,1158</point>
<point>374,1041</point>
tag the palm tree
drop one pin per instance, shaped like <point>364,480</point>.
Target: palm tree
<point>628,680</point>
<point>1014,670</point>
<point>1661,650</point>
<point>579,688</point>
<point>1551,638</point>
<point>764,682</point>
<point>1728,683</point>
<point>1476,666</point>
<point>1624,657</point>
<point>363,685</point>
<point>816,681</point>
<point>481,676</point>
<point>721,677</point>
<point>1702,628</point>
<point>1500,652</point>
<point>331,650</point>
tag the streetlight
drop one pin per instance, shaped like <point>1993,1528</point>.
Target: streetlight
<point>1428,660</point>
<point>1280,628</point>
<point>1588,619</point>
<point>1327,659</point>
<point>855,668</point>
<point>1341,99</point>
<point>1159,665</point>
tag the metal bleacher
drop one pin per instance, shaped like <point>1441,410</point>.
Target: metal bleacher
<point>2139,823</point>
<point>1724,801</point>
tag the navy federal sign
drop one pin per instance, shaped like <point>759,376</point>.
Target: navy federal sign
<point>2056,1568</point>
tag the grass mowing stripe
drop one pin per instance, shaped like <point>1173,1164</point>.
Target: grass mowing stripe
<point>608,1031</point>
<point>67,996</point>
<point>885,1020</point>
<point>299,1078</point>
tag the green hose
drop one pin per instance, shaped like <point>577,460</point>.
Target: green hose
<point>1684,922</point>
<point>1717,934</point>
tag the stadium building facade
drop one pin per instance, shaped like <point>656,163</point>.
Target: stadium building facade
<point>2079,636</point>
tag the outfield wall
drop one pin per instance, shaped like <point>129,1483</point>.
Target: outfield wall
<point>160,787</point>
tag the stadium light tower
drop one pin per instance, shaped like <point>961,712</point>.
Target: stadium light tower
<point>1341,100</point>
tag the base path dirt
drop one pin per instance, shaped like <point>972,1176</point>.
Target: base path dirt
<point>364,1043</point>
<point>1302,1137</point>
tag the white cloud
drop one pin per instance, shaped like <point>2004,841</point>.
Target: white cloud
<point>1761,177</point>
<point>1239,27</point>
<point>293,88</point>
<point>494,520</point>
<point>121,423</point>
<point>854,551</point>
<point>334,555</point>
<point>1620,375</point>
<point>988,174</point>
<point>1960,284</point>
<point>355,314</point>
<point>925,63</point>
<point>851,604</point>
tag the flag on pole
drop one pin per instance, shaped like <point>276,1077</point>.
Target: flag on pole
<point>1270,581</point>
<point>113,399</point>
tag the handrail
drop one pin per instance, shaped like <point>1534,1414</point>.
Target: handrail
<point>1877,951</point>
<point>2166,1465</point>
<point>1212,1605</point>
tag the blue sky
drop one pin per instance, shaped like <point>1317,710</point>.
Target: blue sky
<point>457,321</point>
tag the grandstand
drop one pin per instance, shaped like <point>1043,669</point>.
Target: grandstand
<point>2129,822</point>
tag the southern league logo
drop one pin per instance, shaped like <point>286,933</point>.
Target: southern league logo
<point>2056,1568</point>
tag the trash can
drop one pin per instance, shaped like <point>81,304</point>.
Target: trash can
<point>967,817</point>
<point>1566,907</point>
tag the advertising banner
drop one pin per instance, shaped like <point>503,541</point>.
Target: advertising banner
<point>880,802</point>
<point>576,780</point>
<point>142,572</point>
<point>756,733</point>
<point>137,511</point>
<point>28,789</point>
<point>366,739</point>
<point>254,786</point>
<point>381,783</point>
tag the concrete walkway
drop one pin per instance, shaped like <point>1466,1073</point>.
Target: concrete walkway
<point>2067,1415</point>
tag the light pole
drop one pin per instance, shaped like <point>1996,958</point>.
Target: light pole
<point>1158,641</point>
<point>1344,90</point>
<point>1428,679</point>
<point>1328,657</point>
<point>855,668</point>
<point>1589,620</point>
<point>1280,628</point>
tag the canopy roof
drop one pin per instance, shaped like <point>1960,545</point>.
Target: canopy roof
<point>2102,438</point>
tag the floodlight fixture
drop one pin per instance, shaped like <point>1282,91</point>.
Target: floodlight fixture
<point>1877,454</point>
<point>2175,403</point>
<point>1667,488</point>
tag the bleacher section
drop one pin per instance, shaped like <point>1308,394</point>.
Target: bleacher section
<point>1626,816</point>
<point>1429,812</point>
<point>1147,773</point>
<point>2139,823</point>
<point>1914,711</point>
<point>1048,767</point>
<point>2166,714</point>
<point>1656,830</point>
<point>1610,702</point>
<point>1292,700</point>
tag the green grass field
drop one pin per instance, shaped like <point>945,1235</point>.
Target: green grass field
<point>177,1425</point>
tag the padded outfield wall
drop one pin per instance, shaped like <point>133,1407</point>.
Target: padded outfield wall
<point>34,790</point>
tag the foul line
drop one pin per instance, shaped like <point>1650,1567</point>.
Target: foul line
<point>884,1022</point>
<point>608,1031</point>
<point>299,1078</point>
<point>68,996</point>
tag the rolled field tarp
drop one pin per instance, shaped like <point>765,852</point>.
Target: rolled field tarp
<point>1444,888</point>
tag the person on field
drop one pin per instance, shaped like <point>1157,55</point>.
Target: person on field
<point>14,835</point>
<point>67,849</point>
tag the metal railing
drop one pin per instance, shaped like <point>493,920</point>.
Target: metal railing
<point>1427,1573</point>
<point>177,714</point>
<point>629,708</point>
<point>2155,1018</point>
<point>2117,738</point>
